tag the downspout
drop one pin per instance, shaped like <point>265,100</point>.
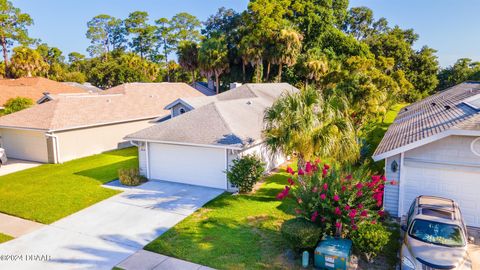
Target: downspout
<point>56,155</point>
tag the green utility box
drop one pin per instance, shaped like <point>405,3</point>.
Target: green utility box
<point>333,253</point>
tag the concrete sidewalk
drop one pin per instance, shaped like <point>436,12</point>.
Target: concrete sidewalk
<point>146,260</point>
<point>16,165</point>
<point>15,226</point>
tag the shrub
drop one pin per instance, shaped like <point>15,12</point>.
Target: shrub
<point>370,239</point>
<point>17,104</point>
<point>301,234</point>
<point>245,172</point>
<point>337,200</point>
<point>130,177</point>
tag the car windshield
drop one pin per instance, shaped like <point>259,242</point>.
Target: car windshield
<point>437,233</point>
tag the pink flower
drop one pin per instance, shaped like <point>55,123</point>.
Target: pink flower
<point>314,189</point>
<point>383,178</point>
<point>381,212</point>
<point>284,193</point>
<point>374,222</point>
<point>359,185</point>
<point>323,219</point>
<point>347,207</point>
<point>298,211</point>
<point>354,227</point>
<point>324,172</point>
<point>344,188</point>
<point>326,166</point>
<point>352,213</point>
<point>308,167</point>
<point>364,213</point>
<point>359,193</point>
<point>338,211</point>
<point>291,182</point>
<point>348,177</point>
<point>314,216</point>
<point>325,186</point>
<point>280,196</point>
<point>338,224</point>
<point>299,200</point>
<point>393,182</point>
<point>290,170</point>
<point>375,178</point>
<point>317,161</point>
<point>336,198</point>
<point>301,172</point>
<point>323,196</point>
<point>360,206</point>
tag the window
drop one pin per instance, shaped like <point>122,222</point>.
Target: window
<point>182,111</point>
<point>437,233</point>
<point>410,212</point>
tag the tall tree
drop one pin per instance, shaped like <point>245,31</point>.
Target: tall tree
<point>184,27</point>
<point>463,69</point>
<point>288,47</point>
<point>27,62</point>
<point>307,125</point>
<point>422,72</point>
<point>143,41</point>
<point>213,57</point>
<point>13,28</point>
<point>106,33</point>
<point>187,53</point>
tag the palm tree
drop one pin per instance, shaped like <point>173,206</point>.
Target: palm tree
<point>252,51</point>
<point>187,53</point>
<point>305,124</point>
<point>288,47</point>
<point>213,57</point>
<point>27,62</point>
<point>316,69</point>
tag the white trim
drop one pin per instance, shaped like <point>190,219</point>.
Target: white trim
<point>412,161</point>
<point>401,185</point>
<point>56,147</point>
<point>436,137</point>
<point>472,146</point>
<point>22,128</point>
<point>179,101</point>
<point>147,160</point>
<point>226,169</point>
<point>182,143</point>
<point>107,123</point>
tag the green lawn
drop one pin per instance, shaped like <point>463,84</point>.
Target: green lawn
<point>52,191</point>
<point>233,231</point>
<point>5,238</point>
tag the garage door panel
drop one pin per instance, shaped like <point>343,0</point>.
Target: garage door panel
<point>462,186</point>
<point>188,164</point>
<point>25,144</point>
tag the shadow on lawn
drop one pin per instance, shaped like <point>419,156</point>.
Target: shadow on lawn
<point>106,173</point>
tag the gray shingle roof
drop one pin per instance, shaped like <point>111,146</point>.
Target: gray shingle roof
<point>232,119</point>
<point>433,115</point>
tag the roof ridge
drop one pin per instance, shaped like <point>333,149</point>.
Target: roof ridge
<point>215,107</point>
<point>54,112</point>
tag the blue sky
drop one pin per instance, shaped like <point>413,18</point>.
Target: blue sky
<point>446,25</point>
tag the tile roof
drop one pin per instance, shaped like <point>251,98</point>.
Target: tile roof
<point>433,115</point>
<point>33,88</point>
<point>138,101</point>
<point>232,119</point>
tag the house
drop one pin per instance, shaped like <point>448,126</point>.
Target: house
<point>433,148</point>
<point>33,88</point>
<point>73,126</point>
<point>205,134</point>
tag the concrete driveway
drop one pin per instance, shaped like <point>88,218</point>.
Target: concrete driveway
<point>15,165</point>
<point>101,236</point>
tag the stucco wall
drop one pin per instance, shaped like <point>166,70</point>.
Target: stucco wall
<point>390,202</point>
<point>142,158</point>
<point>24,144</point>
<point>272,161</point>
<point>84,142</point>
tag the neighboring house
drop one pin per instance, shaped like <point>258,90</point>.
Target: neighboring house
<point>206,134</point>
<point>74,126</point>
<point>88,87</point>
<point>433,148</point>
<point>33,88</point>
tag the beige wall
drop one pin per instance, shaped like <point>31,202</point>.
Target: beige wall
<point>24,144</point>
<point>88,141</point>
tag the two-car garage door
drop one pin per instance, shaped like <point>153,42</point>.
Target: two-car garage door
<point>24,144</point>
<point>188,164</point>
<point>461,185</point>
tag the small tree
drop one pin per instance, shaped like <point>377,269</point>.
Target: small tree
<point>17,104</point>
<point>245,172</point>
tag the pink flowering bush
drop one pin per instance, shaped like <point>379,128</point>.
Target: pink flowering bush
<point>336,200</point>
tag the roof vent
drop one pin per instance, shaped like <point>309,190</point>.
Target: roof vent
<point>434,104</point>
<point>249,102</point>
<point>406,109</point>
<point>46,93</point>
<point>109,100</point>
<point>447,107</point>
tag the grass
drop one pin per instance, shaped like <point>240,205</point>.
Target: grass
<point>233,231</point>
<point>377,130</point>
<point>5,238</point>
<point>52,191</point>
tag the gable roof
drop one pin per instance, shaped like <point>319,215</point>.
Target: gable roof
<point>233,119</point>
<point>33,88</point>
<point>432,118</point>
<point>76,111</point>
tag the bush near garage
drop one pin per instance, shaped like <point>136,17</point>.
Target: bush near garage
<point>370,239</point>
<point>301,234</point>
<point>131,177</point>
<point>246,172</point>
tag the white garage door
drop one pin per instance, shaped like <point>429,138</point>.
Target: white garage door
<point>462,186</point>
<point>188,164</point>
<point>25,144</point>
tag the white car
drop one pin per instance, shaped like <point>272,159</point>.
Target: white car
<point>3,157</point>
